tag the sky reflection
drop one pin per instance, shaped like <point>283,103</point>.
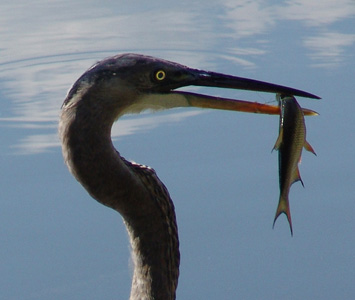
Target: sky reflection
<point>48,54</point>
<point>329,49</point>
<point>60,244</point>
<point>317,13</point>
<point>34,60</point>
<point>38,143</point>
<point>254,18</point>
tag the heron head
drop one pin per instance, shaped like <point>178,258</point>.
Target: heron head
<point>139,81</point>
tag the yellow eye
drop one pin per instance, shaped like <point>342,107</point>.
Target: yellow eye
<point>160,75</point>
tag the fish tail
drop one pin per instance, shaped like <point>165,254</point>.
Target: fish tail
<point>283,207</point>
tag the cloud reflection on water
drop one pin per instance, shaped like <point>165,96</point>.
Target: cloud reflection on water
<point>317,13</point>
<point>38,143</point>
<point>329,48</point>
<point>42,56</point>
<point>326,46</point>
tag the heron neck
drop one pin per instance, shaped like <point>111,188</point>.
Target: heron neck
<point>135,192</point>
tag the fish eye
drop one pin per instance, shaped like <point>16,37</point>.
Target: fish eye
<point>160,75</point>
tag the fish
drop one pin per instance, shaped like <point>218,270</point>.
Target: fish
<point>290,142</point>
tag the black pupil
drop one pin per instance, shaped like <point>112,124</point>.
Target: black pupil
<point>160,75</point>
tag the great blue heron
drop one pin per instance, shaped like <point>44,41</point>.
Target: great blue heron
<point>132,83</point>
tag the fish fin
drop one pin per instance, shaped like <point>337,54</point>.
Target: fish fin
<point>297,176</point>
<point>309,148</point>
<point>300,179</point>
<point>278,141</point>
<point>283,207</point>
<point>309,112</point>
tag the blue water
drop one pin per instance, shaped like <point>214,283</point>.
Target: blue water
<point>58,243</point>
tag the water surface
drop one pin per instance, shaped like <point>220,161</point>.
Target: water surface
<point>58,243</point>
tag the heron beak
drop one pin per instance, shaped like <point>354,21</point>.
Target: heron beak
<point>212,79</point>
